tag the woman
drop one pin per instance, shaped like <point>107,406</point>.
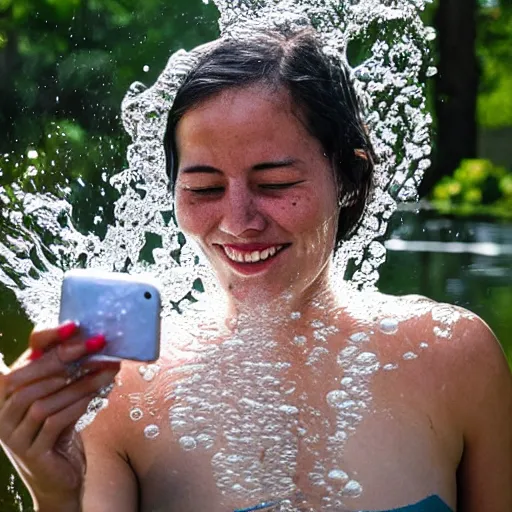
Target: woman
<point>301,397</point>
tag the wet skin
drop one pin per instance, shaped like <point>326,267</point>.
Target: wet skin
<point>252,179</point>
<point>253,183</point>
<point>409,444</point>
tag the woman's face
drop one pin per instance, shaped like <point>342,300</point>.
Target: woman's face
<point>256,192</point>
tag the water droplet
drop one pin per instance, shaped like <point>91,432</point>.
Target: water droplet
<point>389,325</point>
<point>423,344</point>
<point>295,315</point>
<point>390,366</point>
<point>289,409</point>
<point>359,337</point>
<point>353,489</point>
<point>136,414</point>
<point>151,431</point>
<point>145,68</point>
<point>409,355</point>
<point>431,71</point>
<point>300,340</point>
<point>338,474</point>
<point>188,443</point>
<point>336,398</point>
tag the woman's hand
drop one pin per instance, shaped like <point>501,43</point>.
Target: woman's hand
<point>41,399</point>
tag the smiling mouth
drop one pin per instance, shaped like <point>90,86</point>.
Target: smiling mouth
<point>255,256</point>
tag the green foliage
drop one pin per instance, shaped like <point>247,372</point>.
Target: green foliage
<point>494,48</point>
<point>477,187</point>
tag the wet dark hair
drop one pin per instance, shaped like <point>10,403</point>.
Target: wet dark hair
<point>320,88</point>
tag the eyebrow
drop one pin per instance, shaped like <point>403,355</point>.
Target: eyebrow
<point>263,166</point>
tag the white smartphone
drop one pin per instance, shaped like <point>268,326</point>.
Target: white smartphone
<point>123,308</point>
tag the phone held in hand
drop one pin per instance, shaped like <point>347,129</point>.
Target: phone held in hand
<point>123,308</point>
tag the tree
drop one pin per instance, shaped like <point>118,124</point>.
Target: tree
<point>456,88</point>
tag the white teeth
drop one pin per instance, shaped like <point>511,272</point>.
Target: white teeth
<point>251,257</point>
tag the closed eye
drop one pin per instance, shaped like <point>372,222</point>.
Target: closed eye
<point>279,186</point>
<point>207,191</point>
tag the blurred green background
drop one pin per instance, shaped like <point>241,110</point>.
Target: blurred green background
<point>65,66</point>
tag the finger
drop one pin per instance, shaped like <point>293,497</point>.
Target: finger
<point>63,410</point>
<point>54,362</point>
<point>42,340</point>
<point>17,405</point>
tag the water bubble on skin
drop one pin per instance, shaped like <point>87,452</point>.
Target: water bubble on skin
<point>423,345</point>
<point>136,414</point>
<point>337,474</point>
<point>151,431</point>
<point>390,366</point>
<point>336,398</point>
<point>289,409</point>
<point>442,333</point>
<point>352,489</point>
<point>359,337</point>
<point>300,340</point>
<point>188,443</point>
<point>409,355</point>
<point>388,325</point>
<point>295,315</point>
<point>149,372</point>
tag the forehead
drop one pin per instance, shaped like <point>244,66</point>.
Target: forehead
<point>250,121</point>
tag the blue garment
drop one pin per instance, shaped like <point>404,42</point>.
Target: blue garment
<point>430,504</point>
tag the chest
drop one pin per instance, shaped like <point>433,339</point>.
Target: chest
<point>251,432</point>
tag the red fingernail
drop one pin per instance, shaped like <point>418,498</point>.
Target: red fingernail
<point>65,331</point>
<point>95,344</point>
<point>35,354</point>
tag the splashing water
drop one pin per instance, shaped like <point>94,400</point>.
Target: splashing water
<point>39,242</point>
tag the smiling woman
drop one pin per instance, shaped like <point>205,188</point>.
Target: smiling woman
<point>304,394</point>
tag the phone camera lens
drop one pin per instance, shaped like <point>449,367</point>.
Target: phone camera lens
<point>147,295</point>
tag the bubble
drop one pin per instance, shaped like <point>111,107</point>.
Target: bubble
<point>295,315</point>
<point>409,355</point>
<point>389,325</point>
<point>151,431</point>
<point>390,366</point>
<point>32,154</point>
<point>359,337</point>
<point>289,409</point>
<point>352,489</point>
<point>423,344</point>
<point>431,71</point>
<point>300,340</point>
<point>145,68</point>
<point>136,414</point>
<point>442,333</point>
<point>337,397</point>
<point>188,443</point>
<point>337,474</point>
<point>149,372</point>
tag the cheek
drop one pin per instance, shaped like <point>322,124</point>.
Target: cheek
<point>192,217</point>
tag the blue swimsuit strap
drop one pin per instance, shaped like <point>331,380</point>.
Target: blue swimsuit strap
<point>430,504</point>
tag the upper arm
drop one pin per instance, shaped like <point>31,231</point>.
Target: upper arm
<point>110,482</point>
<point>485,472</point>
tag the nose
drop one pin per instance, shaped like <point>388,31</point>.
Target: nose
<point>242,214</point>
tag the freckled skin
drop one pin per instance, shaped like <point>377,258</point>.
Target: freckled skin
<point>437,424</point>
<point>234,132</point>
